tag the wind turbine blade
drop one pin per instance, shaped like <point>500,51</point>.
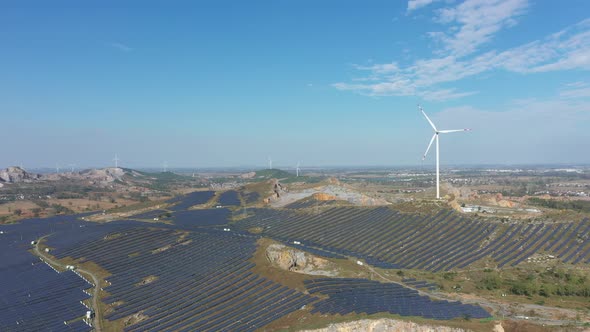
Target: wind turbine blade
<point>453,131</point>
<point>427,118</point>
<point>429,145</point>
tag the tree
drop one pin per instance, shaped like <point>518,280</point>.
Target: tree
<point>36,211</point>
<point>18,212</point>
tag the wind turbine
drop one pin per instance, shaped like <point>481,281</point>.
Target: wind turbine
<point>165,166</point>
<point>297,169</point>
<point>435,136</point>
<point>116,160</point>
<point>72,167</point>
<point>56,168</point>
<point>269,162</point>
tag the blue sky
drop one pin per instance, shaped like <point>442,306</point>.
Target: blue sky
<point>228,83</point>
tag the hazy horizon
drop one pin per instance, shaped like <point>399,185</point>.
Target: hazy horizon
<point>311,168</point>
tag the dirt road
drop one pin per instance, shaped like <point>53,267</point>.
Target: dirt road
<point>95,280</point>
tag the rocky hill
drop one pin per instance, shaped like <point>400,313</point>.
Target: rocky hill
<point>16,174</point>
<point>96,177</point>
<point>99,176</point>
<point>385,324</point>
<point>294,260</point>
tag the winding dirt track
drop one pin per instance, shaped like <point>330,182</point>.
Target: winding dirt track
<point>95,280</point>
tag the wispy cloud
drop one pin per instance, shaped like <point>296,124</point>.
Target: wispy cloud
<point>121,47</point>
<point>474,22</point>
<point>564,50</point>
<point>507,135</point>
<point>416,4</point>
<point>380,68</point>
<point>575,90</point>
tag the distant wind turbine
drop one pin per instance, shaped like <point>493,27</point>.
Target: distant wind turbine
<point>72,167</point>
<point>116,160</point>
<point>56,168</point>
<point>165,166</point>
<point>297,169</point>
<point>269,162</point>
<point>435,136</point>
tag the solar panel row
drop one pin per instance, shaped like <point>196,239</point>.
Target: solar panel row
<point>346,295</point>
<point>186,201</point>
<point>200,280</point>
<point>386,238</point>
<point>34,296</point>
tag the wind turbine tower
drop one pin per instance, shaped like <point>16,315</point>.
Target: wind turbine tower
<point>116,160</point>
<point>297,169</point>
<point>269,162</point>
<point>165,166</point>
<point>435,136</point>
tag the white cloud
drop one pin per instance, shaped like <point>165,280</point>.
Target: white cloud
<point>474,22</point>
<point>565,50</point>
<point>575,90</point>
<point>380,68</point>
<point>121,47</point>
<point>526,131</point>
<point>402,88</point>
<point>415,4</point>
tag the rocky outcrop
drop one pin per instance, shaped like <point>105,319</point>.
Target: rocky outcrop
<point>329,192</point>
<point>100,177</point>
<point>384,325</point>
<point>249,175</point>
<point>103,175</point>
<point>298,261</point>
<point>16,175</point>
<point>324,197</point>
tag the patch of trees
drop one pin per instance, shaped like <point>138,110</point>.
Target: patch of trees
<point>68,195</point>
<point>576,205</point>
<point>60,209</point>
<point>546,284</point>
<point>41,204</point>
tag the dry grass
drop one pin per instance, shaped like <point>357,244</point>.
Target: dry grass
<point>83,204</point>
<point>9,208</point>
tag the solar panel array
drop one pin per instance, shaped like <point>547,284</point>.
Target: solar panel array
<point>229,198</point>
<point>365,296</point>
<point>190,275</point>
<point>390,239</point>
<point>250,197</point>
<point>419,284</point>
<point>188,200</point>
<point>33,296</point>
<point>193,219</point>
<point>199,280</point>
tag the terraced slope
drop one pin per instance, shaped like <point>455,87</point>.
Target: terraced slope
<point>370,297</point>
<point>191,275</point>
<point>389,239</point>
<point>197,281</point>
<point>34,296</point>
